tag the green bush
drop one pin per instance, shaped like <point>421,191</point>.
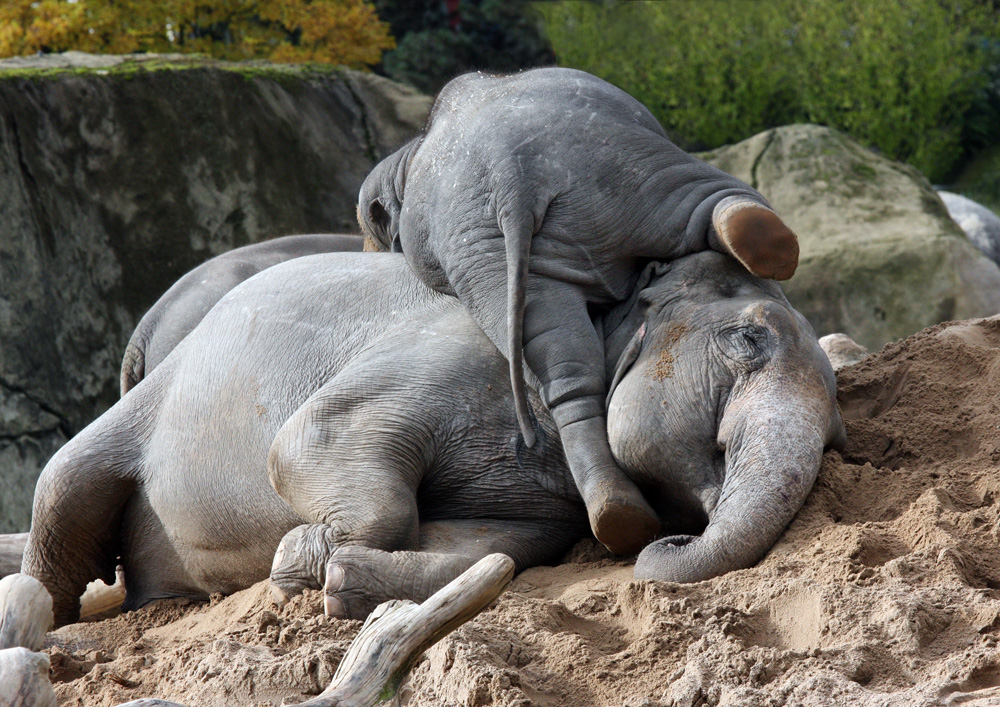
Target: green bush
<point>900,75</point>
<point>493,35</point>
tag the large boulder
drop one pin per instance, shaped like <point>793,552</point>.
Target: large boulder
<point>119,174</point>
<point>880,257</point>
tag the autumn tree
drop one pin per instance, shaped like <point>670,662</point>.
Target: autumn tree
<point>346,32</point>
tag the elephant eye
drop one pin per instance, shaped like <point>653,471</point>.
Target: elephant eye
<point>747,345</point>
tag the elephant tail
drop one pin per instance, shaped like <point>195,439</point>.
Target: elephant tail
<point>517,240</point>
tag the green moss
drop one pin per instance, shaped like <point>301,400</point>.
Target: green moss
<point>863,171</point>
<point>284,73</point>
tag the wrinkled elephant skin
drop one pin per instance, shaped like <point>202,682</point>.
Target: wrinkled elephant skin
<point>186,303</point>
<point>534,196</point>
<point>362,425</point>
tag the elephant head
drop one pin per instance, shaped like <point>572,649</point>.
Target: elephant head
<point>380,200</point>
<point>720,407</point>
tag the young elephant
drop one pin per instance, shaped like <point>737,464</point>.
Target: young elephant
<point>532,197</point>
<point>370,419</point>
<point>179,310</point>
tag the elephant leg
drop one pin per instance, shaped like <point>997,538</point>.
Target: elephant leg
<point>360,578</point>
<point>564,350</point>
<point>78,508</point>
<point>341,470</point>
<point>381,518</point>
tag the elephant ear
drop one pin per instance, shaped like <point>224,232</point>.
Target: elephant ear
<point>625,361</point>
<point>378,228</point>
<point>635,309</point>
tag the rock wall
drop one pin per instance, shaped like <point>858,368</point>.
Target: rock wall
<point>880,257</point>
<point>119,174</point>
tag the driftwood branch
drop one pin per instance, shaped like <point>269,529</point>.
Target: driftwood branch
<point>396,635</point>
<point>25,612</point>
<point>99,597</point>
<point>25,616</point>
<point>11,552</point>
<point>24,679</point>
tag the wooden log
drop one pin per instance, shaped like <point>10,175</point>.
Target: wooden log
<point>25,612</point>
<point>99,597</point>
<point>11,552</point>
<point>24,679</point>
<point>397,633</point>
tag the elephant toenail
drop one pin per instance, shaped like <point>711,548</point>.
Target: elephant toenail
<point>334,577</point>
<point>334,607</point>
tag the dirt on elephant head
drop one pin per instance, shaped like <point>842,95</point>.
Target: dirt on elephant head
<point>885,590</point>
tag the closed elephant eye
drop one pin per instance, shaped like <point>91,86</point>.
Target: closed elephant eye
<point>747,345</point>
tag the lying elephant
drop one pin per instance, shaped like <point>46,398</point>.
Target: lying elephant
<point>337,400</point>
<point>181,307</point>
<point>496,177</point>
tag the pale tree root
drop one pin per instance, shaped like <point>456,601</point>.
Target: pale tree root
<point>100,598</point>
<point>25,616</point>
<point>25,612</point>
<point>11,552</point>
<point>397,633</point>
<point>24,679</point>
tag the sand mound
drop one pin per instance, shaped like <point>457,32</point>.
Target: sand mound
<point>885,590</point>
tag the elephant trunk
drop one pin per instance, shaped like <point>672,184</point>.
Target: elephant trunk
<point>773,453</point>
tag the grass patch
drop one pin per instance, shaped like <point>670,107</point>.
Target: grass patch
<point>135,65</point>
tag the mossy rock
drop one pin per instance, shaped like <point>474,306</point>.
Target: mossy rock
<point>120,173</point>
<point>880,257</point>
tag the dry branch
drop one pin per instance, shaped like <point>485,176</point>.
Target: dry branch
<point>24,678</point>
<point>99,597</point>
<point>25,612</point>
<point>11,552</point>
<point>398,632</point>
<point>396,635</point>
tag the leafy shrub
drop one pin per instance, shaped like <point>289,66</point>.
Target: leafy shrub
<point>490,35</point>
<point>900,75</point>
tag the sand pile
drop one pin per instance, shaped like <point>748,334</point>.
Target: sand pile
<point>885,590</point>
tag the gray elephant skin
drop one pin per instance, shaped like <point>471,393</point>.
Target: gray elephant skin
<point>334,408</point>
<point>490,204</point>
<point>186,303</point>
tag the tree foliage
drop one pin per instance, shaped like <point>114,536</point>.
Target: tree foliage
<point>490,35</point>
<point>900,75</point>
<point>345,32</point>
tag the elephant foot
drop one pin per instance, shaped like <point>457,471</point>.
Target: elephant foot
<point>622,520</point>
<point>755,236</point>
<point>300,561</point>
<point>356,582</point>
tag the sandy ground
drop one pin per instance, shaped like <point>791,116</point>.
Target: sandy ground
<point>885,590</point>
